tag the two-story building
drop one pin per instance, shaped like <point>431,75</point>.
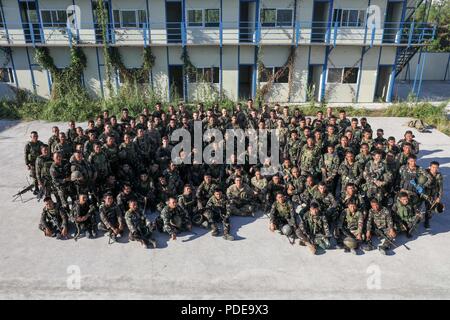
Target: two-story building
<point>327,50</point>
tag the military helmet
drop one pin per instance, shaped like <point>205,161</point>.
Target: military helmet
<point>286,230</point>
<point>177,221</point>
<point>197,219</point>
<point>76,176</point>
<point>421,179</point>
<point>350,243</point>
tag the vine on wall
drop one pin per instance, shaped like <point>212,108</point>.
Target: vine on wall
<point>102,19</point>
<point>66,81</point>
<point>132,76</point>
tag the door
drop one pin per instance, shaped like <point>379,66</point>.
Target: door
<point>97,26</point>
<point>314,77</point>
<point>392,22</point>
<point>320,21</point>
<point>174,19</point>
<point>245,81</point>
<point>382,88</point>
<point>176,83</point>
<point>30,21</point>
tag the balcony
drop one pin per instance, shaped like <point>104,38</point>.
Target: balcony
<point>227,33</point>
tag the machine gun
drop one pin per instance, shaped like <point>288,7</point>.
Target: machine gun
<point>381,234</point>
<point>22,192</point>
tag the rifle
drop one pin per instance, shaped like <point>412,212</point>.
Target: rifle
<point>381,234</point>
<point>21,192</point>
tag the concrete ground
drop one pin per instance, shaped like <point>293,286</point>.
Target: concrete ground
<point>259,264</point>
<point>437,91</point>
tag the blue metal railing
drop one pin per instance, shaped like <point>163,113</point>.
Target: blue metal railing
<point>226,32</point>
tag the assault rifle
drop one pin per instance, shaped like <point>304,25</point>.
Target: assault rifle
<point>381,234</point>
<point>22,192</point>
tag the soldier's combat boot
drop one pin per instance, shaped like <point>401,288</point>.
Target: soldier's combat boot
<point>383,249</point>
<point>227,236</point>
<point>368,246</point>
<point>426,224</point>
<point>311,247</point>
<point>214,230</point>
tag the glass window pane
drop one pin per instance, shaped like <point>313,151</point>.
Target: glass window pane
<point>284,17</point>
<point>361,18</point>
<point>284,77</point>
<point>116,16</point>
<point>61,18</point>
<point>142,16</point>
<point>345,15</point>
<point>195,18</point>
<point>350,75</point>
<point>212,17</point>
<point>266,74</point>
<point>216,76</point>
<point>129,19</point>
<point>334,75</point>
<point>353,18</point>
<point>268,17</point>
<point>46,18</point>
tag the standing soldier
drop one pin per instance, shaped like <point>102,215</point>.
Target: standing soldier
<point>43,164</point>
<point>216,212</point>
<point>139,226</point>
<point>376,177</point>
<point>309,159</point>
<point>434,192</point>
<point>64,147</point>
<point>32,152</point>
<point>59,172</point>
<point>53,220</point>
<point>98,160</point>
<point>380,222</point>
<point>414,181</point>
<point>329,166</point>
<point>350,171</point>
<point>54,139</point>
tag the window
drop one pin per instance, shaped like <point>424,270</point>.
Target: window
<point>212,17</point>
<point>129,18</point>
<point>276,17</point>
<point>54,18</point>
<point>349,17</point>
<point>203,17</point>
<point>350,75</point>
<point>343,75</point>
<point>207,74</point>
<point>271,71</point>
<point>6,75</point>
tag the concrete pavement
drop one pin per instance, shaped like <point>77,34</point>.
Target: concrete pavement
<point>259,264</point>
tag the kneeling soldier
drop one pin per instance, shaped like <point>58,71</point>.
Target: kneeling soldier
<point>53,220</point>
<point>281,214</point>
<point>216,212</point>
<point>404,215</point>
<point>350,228</point>
<point>380,222</point>
<point>140,227</point>
<point>111,218</point>
<point>316,226</point>
<point>175,218</point>
<point>83,214</point>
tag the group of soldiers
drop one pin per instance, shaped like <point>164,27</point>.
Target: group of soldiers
<point>338,184</point>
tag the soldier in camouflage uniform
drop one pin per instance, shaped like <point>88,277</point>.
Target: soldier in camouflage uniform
<point>111,216</point>
<point>32,152</point>
<point>43,164</point>
<point>259,185</point>
<point>175,219</point>
<point>99,161</point>
<point>315,227</point>
<point>240,199</point>
<point>60,174</point>
<point>64,147</point>
<point>53,220</point>
<point>350,224</point>
<point>205,191</point>
<point>350,171</point>
<point>83,213</point>
<point>282,213</point>
<point>293,147</point>
<point>216,212</point>
<point>409,138</point>
<point>414,180</point>
<point>434,191</point>
<point>140,227</point>
<point>188,201</point>
<point>309,159</point>
<point>379,221</point>
<point>404,215</point>
<point>329,166</point>
<point>376,177</point>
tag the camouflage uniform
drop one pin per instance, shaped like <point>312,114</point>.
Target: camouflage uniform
<point>404,216</point>
<point>62,188</point>
<point>43,177</point>
<point>376,172</point>
<point>309,161</point>
<point>381,221</point>
<point>204,193</point>
<point>216,211</point>
<point>329,166</point>
<point>54,219</point>
<point>189,203</point>
<point>111,217</point>
<point>101,165</point>
<point>168,215</point>
<point>327,205</point>
<point>32,152</point>
<point>260,186</point>
<point>240,200</point>
<point>410,177</point>
<point>434,190</point>
<point>350,173</point>
<point>139,226</point>
<point>317,229</point>
<point>79,212</point>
